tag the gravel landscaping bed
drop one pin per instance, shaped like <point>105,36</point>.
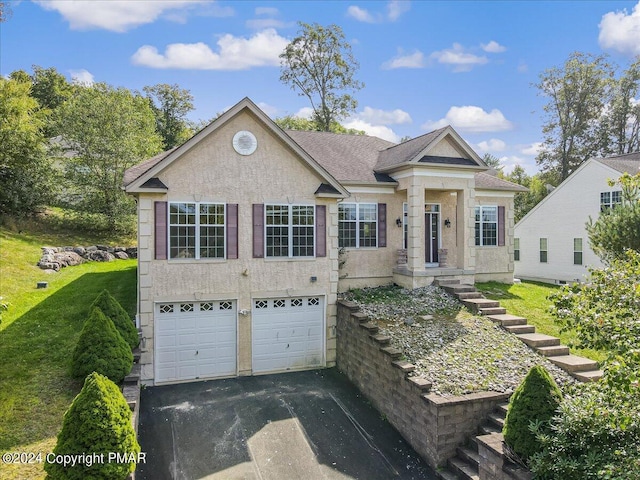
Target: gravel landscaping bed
<point>456,351</point>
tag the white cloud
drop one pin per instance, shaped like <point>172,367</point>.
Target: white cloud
<point>380,131</point>
<point>523,67</point>
<point>304,112</point>
<point>269,19</point>
<point>270,110</point>
<point>395,9</point>
<point>360,14</point>
<point>532,149</point>
<point>81,77</point>
<point>509,162</point>
<point>493,47</point>
<point>412,60</point>
<point>620,31</point>
<point>461,60</point>
<point>268,11</point>
<point>376,116</point>
<point>117,15</point>
<point>234,53</point>
<point>472,119</point>
<point>492,145</point>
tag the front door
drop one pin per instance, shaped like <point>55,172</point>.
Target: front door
<point>432,233</point>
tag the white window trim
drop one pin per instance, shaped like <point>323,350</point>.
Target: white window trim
<point>497,222</point>
<point>357,221</point>
<point>516,248</point>
<point>581,251</point>
<point>546,250</point>
<point>197,232</point>
<point>290,230</point>
<point>610,204</point>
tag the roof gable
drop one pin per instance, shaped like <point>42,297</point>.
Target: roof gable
<point>442,147</point>
<point>136,177</point>
<point>628,163</point>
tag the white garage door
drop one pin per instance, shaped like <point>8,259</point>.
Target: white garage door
<point>287,334</point>
<point>195,340</point>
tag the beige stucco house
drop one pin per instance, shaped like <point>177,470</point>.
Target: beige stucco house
<point>247,233</point>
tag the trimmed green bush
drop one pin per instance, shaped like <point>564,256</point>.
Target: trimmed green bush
<point>535,401</point>
<point>119,316</point>
<point>101,349</point>
<point>98,423</point>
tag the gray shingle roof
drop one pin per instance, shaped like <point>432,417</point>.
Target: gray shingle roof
<point>136,171</point>
<point>405,151</point>
<point>484,181</point>
<point>348,158</point>
<point>628,163</point>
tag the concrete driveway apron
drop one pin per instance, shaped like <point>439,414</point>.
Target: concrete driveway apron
<point>301,425</point>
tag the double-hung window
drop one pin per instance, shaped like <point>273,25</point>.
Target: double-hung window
<point>544,250</point>
<point>196,230</point>
<point>577,251</point>
<point>610,199</point>
<point>516,249</point>
<point>486,225</point>
<point>290,230</point>
<point>357,225</point>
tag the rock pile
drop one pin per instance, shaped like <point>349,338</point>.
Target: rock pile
<point>55,258</point>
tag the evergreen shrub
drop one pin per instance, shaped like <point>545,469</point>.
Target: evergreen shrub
<point>97,422</point>
<point>534,402</point>
<point>119,316</point>
<point>101,349</point>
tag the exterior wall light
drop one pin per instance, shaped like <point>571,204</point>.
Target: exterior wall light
<point>447,223</point>
<point>399,222</point>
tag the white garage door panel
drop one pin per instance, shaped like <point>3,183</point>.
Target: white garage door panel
<point>195,340</point>
<point>287,334</point>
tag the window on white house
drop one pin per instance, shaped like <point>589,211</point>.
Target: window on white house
<point>577,251</point>
<point>486,225</point>
<point>196,230</point>
<point>357,225</point>
<point>610,199</point>
<point>543,250</point>
<point>290,230</point>
<point>516,249</point>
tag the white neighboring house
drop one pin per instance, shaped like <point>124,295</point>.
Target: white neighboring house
<point>551,242</point>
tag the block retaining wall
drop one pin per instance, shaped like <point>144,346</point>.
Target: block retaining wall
<point>433,425</point>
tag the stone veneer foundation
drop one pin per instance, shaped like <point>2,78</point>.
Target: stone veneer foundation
<point>434,425</point>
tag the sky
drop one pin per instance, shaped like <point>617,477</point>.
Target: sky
<point>425,64</point>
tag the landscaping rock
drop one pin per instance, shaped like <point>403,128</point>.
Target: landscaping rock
<point>100,256</point>
<point>120,255</point>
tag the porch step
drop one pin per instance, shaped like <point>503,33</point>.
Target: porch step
<point>462,288</point>
<point>535,340</point>
<point>469,455</point>
<point>553,351</point>
<point>492,311</point>
<point>505,319</point>
<point>503,408</point>
<point>574,363</point>
<point>475,304</point>
<point>520,329</point>
<point>497,419</point>
<point>468,295</point>
<point>441,282</point>
<point>589,376</point>
<point>489,428</point>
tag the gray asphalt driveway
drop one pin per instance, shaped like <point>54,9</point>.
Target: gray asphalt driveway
<point>302,425</point>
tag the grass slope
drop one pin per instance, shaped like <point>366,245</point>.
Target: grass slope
<point>38,334</point>
<point>529,300</point>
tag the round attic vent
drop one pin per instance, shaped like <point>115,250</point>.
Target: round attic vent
<point>244,142</point>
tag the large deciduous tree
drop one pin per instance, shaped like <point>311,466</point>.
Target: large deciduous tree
<point>320,65</point>
<point>621,120</point>
<point>305,124</point>
<point>24,170</point>
<point>106,130</point>
<point>577,94</point>
<point>170,105</point>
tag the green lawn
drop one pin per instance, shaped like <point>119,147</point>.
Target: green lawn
<point>529,300</point>
<point>37,336</point>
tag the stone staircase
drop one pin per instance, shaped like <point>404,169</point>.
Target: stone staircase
<point>464,466</point>
<point>580,368</point>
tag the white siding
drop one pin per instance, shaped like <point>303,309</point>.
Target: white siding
<point>560,218</point>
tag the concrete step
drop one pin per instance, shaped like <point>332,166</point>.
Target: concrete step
<point>468,295</point>
<point>589,376</point>
<point>453,289</point>
<point>492,311</point>
<point>496,419</point>
<point>464,470</point>
<point>553,351</point>
<point>441,282</point>
<point>488,429</point>
<point>503,408</point>
<point>469,455</point>
<point>520,329</point>
<point>535,340</point>
<point>475,304</point>
<point>446,474</point>
<point>574,363</point>
<point>506,320</point>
